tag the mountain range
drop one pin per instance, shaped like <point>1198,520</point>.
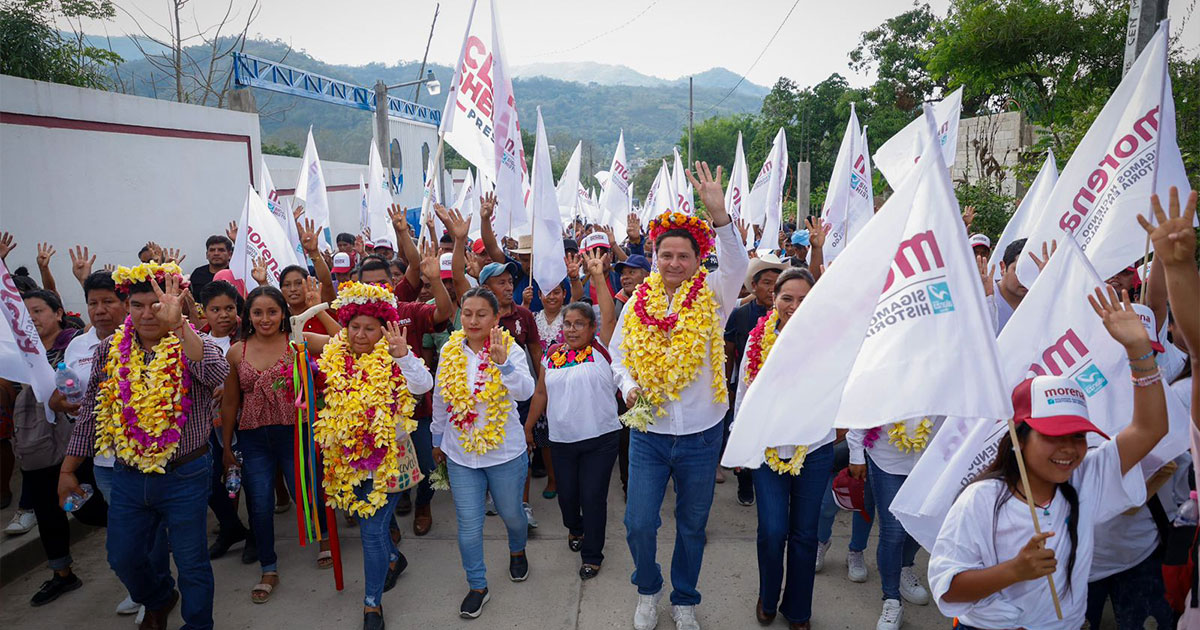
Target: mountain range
<point>585,101</point>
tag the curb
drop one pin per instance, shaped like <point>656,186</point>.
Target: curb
<point>28,555</point>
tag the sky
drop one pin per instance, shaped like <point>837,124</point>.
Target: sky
<point>646,35</point>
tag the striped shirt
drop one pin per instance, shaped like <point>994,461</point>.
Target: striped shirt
<point>207,374</point>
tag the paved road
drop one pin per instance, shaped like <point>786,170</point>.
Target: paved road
<point>429,592</point>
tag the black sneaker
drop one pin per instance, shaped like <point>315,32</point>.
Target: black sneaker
<point>745,497</point>
<point>224,541</point>
<point>373,621</point>
<point>518,567</point>
<point>250,552</point>
<point>55,586</point>
<point>394,572</point>
<point>404,505</point>
<point>473,603</point>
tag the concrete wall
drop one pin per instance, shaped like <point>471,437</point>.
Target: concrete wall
<point>112,171</point>
<point>988,148</point>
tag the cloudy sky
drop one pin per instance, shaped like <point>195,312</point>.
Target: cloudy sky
<point>646,35</point>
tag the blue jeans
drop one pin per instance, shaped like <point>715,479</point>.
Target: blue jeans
<point>787,520</point>
<point>506,483</point>
<point>690,460</point>
<point>378,549</point>
<point>896,549</point>
<point>422,441</point>
<point>141,505</point>
<point>263,450</point>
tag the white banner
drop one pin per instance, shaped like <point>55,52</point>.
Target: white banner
<point>736,191</point>
<point>1129,153</point>
<point>927,333</point>
<point>364,221</point>
<point>614,199</point>
<point>281,209</point>
<point>379,198</point>
<point>1055,331</point>
<point>467,204</point>
<point>897,157</point>
<point>684,195</point>
<point>660,197</point>
<point>1028,214</point>
<point>259,237</point>
<point>548,267</point>
<point>310,191</point>
<point>22,356</point>
<point>568,189</point>
<point>848,202</point>
<point>766,198</point>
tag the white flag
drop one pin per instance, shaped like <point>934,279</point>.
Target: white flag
<point>568,186</point>
<point>736,191</point>
<point>614,200</point>
<point>281,209</point>
<point>897,157</point>
<point>660,197</point>
<point>310,191</point>
<point>766,197</point>
<point>379,198</point>
<point>1129,153</point>
<point>1055,331</point>
<point>848,202</point>
<point>549,268</point>
<point>924,334</point>
<point>260,237</point>
<point>1028,213</point>
<point>684,195</point>
<point>364,220</point>
<point>22,356</point>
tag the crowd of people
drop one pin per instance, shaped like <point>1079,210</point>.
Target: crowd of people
<point>444,361</point>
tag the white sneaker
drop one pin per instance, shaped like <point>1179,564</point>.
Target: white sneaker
<point>856,566</point>
<point>489,507</point>
<point>822,547</point>
<point>646,615</point>
<point>141,614</point>
<point>128,606</point>
<point>685,617</point>
<point>529,516</point>
<point>911,589</point>
<point>892,615</point>
<point>21,522</point>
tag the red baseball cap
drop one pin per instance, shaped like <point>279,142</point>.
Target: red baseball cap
<point>478,247</point>
<point>848,493</point>
<point>1053,406</point>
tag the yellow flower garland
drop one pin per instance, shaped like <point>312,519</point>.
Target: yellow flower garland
<point>898,436</point>
<point>360,405</point>
<point>459,393</point>
<point>144,272</point>
<point>663,363</point>
<point>157,398</point>
<point>776,463</point>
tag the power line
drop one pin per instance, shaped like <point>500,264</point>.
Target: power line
<point>608,32</point>
<point>756,60</point>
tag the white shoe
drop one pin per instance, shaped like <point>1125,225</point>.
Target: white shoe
<point>892,615</point>
<point>822,547</point>
<point>911,589</point>
<point>489,507</point>
<point>529,516</point>
<point>128,606</point>
<point>646,615</point>
<point>856,566</point>
<point>685,617</point>
<point>141,614</point>
<point>21,522</point>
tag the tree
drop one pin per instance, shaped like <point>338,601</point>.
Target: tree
<point>289,148</point>
<point>896,50</point>
<point>32,48</point>
<point>714,140</point>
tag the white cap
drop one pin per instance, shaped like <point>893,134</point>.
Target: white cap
<point>980,239</point>
<point>1146,314</point>
<point>594,240</point>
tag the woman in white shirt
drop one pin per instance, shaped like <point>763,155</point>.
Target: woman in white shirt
<point>790,484</point>
<point>477,432</point>
<point>578,394</point>
<point>988,564</point>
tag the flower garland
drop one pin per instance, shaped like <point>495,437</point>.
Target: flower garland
<point>461,398</point>
<point>762,339</point>
<point>357,298</point>
<point>898,436</point>
<point>871,437</point>
<point>665,351</point>
<point>366,398</point>
<point>564,357</point>
<point>126,277</point>
<point>142,408</point>
<point>700,230</point>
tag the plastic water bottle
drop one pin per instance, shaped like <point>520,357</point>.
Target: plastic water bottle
<point>67,382</point>
<point>1188,512</point>
<point>76,500</point>
<point>233,477</point>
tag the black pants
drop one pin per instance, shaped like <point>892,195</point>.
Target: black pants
<point>53,528</point>
<point>583,470</point>
<point>224,508</point>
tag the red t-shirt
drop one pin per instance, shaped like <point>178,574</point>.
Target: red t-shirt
<point>405,292</point>
<point>521,325</point>
<point>418,320</point>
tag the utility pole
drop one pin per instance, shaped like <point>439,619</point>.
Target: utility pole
<point>417,88</point>
<point>1144,16</point>
<point>382,131</point>
<point>691,117</point>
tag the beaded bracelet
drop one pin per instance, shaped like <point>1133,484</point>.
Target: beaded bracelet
<point>1148,355</point>
<point>1147,381</point>
<point>1153,366</point>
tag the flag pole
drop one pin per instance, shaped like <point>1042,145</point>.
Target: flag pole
<point>1037,527</point>
<point>1162,97</point>
<point>427,202</point>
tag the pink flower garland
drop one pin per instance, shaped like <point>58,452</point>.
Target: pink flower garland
<point>871,437</point>
<point>668,322</point>
<point>378,452</point>
<point>465,422</point>
<point>125,390</point>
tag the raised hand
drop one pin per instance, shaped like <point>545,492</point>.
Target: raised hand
<point>497,349</point>
<point>431,268</point>
<point>307,231</point>
<point>986,274</point>
<point>190,309</point>
<point>743,228</point>
<point>455,223</point>
<point>816,232</point>
<point>1121,321</point>
<point>397,339</point>
<point>633,227</point>
<point>155,251</point>
<point>1047,252</point>
<point>399,221</point>
<point>259,270</point>
<point>312,292</point>
<point>1034,560</point>
<point>109,268</point>
<point>968,216</point>
<point>573,262</point>
<point>232,231</point>
<point>169,308</point>
<point>595,263</point>
<point>173,254</point>
<point>45,251</point>
<point>7,244</point>
<point>360,246</point>
<point>297,212</point>
<point>487,206</point>
<point>81,263</point>
<point>1173,238</point>
<point>712,194</point>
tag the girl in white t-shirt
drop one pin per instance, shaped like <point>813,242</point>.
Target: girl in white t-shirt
<point>988,566</point>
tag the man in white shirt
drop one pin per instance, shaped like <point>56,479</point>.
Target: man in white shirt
<point>684,442</point>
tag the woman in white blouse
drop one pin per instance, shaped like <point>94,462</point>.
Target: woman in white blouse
<point>577,392</point>
<point>483,454</point>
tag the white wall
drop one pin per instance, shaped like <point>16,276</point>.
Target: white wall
<point>112,171</point>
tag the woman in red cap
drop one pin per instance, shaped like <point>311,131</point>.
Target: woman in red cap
<point>988,563</point>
